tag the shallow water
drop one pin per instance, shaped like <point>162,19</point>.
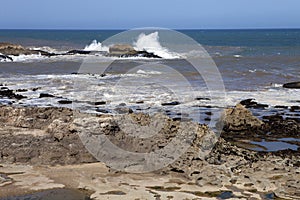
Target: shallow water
<point>274,146</point>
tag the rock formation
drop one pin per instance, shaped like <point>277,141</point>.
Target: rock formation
<point>16,50</point>
<point>239,118</point>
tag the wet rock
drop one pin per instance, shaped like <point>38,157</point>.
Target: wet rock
<point>35,89</point>
<point>292,85</point>
<point>46,95</point>
<point>21,90</point>
<point>202,98</point>
<point>5,92</point>
<point>102,110</point>
<point>174,103</point>
<point>249,103</point>
<point>65,102</point>
<point>5,58</point>
<point>281,107</point>
<point>126,50</point>
<point>239,118</point>
<point>98,103</point>
<point>295,108</point>
<point>72,52</point>
<point>123,110</point>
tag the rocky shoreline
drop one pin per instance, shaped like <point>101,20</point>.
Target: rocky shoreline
<point>41,150</point>
<point>7,50</point>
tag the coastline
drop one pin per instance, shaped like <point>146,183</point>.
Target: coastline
<point>227,170</point>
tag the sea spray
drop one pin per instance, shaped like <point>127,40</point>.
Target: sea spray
<point>96,46</point>
<point>150,43</point>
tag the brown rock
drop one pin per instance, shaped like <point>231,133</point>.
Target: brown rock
<point>121,49</point>
<point>16,50</point>
<point>239,118</point>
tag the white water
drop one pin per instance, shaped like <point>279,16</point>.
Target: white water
<point>151,44</point>
<point>96,46</point>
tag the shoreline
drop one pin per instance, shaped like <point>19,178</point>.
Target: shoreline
<point>36,139</point>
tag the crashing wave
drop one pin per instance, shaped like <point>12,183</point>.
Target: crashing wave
<point>96,46</point>
<point>150,43</point>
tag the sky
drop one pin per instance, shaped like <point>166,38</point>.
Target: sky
<point>127,14</point>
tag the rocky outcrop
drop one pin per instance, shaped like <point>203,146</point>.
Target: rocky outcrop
<point>126,50</point>
<point>35,136</point>
<point>16,50</point>
<point>239,118</point>
<point>293,85</point>
<point>5,92</point>
<point>121,49</point>
<point>118,50</point>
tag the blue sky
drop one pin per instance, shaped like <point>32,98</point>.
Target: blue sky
<point>126,14</point>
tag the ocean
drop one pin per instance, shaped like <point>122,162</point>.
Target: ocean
<point>253,64</point>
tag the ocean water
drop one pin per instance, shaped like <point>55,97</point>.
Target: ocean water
<point>252,63</point>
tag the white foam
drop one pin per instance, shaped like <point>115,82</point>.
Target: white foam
<point>151,44</point>
<point>47,49</point>
<point>147,72</point>
<point>96,46</point>
<point>23,58</point>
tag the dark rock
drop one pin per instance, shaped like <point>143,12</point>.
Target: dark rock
<point>273,117</point>
<point>281,107</point>
<point>65,102</point>
<point>294,119</point>
<point>102,110</point>
<point>100,103</point>
<point>123,110</point>
<point>5,92</point>
<point>174,103</point>
<point>295,108</point>
<point>21,90</point>
<point>139,102</point>
<point>292,85</point>
<point>249,103</point>
<point>35,89</point>
<point>45,95</point>
<point>5,58</point>
<point>209,113</point>
<point>202,98</point>
<point>72,52</point>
